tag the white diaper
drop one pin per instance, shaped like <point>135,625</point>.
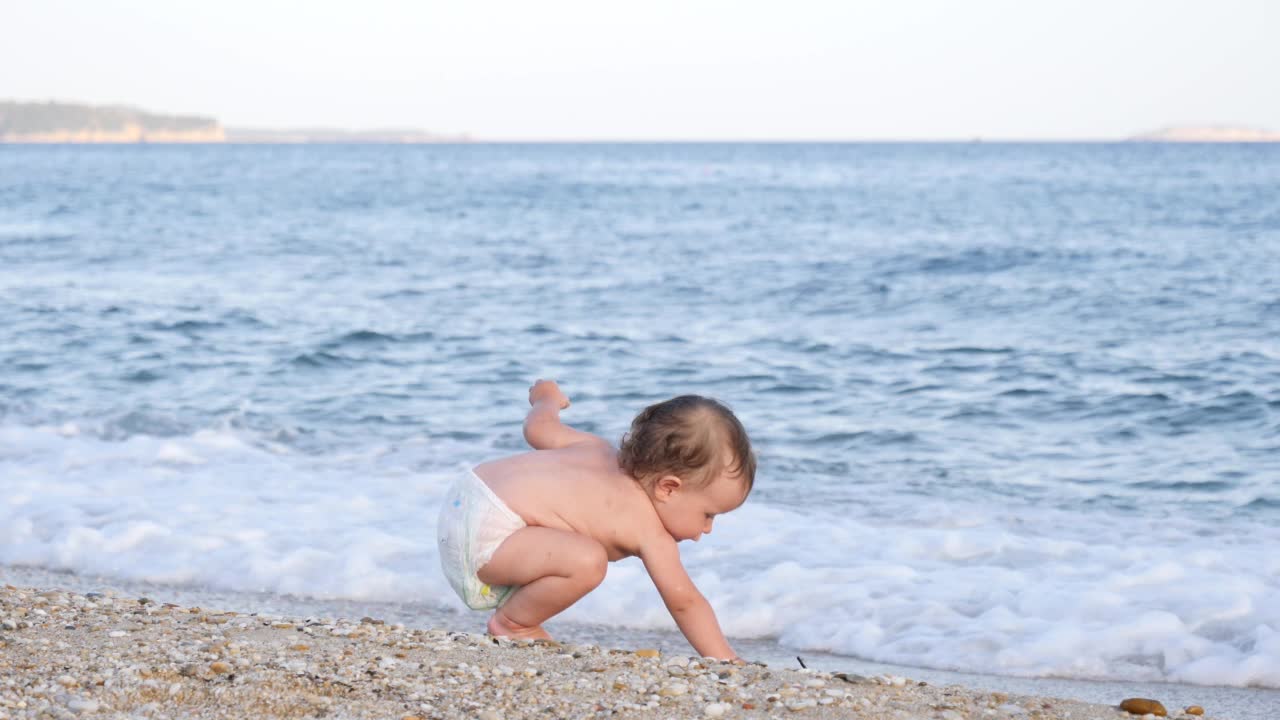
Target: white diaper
<point>473,523</point>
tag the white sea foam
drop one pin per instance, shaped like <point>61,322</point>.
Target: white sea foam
<point>903,579</point>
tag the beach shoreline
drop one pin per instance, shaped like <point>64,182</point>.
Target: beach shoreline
<point>102,654</point>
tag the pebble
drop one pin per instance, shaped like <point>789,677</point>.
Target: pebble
<point>1194,710</point>
<point>715,710</point>
<point>83,706</point>
<point>674,689</point>
<point>1143,706</point>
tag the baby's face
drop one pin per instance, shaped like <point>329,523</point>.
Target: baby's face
<point>689,513</point>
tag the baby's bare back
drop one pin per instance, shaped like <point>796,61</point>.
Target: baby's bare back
<point>579,488</point>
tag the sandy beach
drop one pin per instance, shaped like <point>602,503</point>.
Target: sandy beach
<point>65,654</point>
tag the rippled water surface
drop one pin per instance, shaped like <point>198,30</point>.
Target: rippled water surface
<point>1017,407</point>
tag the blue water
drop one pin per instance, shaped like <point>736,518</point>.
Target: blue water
<point>1017,407</point>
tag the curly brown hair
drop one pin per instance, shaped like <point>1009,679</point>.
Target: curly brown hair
<point>691,437</point>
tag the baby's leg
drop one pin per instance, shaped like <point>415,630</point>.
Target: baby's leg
<point>553,569</point>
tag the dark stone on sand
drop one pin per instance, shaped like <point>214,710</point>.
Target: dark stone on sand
<point>1143,706</point>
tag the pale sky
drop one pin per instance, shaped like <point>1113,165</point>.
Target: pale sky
<point>662,69</point>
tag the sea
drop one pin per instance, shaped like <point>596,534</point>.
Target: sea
<point>1016,406</point>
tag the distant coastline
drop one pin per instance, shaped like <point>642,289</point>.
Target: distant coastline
<point>61,122</point>
<point>54,122</point>
<point>1209,134</point>
<point>57,122</point>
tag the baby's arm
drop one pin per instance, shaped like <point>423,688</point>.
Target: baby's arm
<point>692,612</point>
<point>542,427</point>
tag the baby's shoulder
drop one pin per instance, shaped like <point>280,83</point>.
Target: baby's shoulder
<point>598,460</point>
<point>595,449</point>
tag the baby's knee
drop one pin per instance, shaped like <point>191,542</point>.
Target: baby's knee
<point>592,564</point>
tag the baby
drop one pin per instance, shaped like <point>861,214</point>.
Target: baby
<point>530,534</point>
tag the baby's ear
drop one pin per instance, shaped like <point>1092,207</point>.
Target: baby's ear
<point>666,486</point>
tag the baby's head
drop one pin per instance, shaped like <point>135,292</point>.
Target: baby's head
<point>693,458</point>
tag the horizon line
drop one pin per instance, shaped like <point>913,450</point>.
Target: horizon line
<point>1131,140</point>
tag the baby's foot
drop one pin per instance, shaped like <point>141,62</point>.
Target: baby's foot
<point>502,626</point>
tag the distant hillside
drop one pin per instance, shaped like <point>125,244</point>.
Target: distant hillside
<point>61,122</point>
<point>1209,133</point>
<point>54,122</point>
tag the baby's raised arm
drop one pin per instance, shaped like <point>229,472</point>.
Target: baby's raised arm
<point>692,612</point>
<point>542,427</point>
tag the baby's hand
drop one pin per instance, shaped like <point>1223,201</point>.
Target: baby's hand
<point>547,390</point>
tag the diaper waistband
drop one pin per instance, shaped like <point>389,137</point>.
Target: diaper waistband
<point>493,497</point>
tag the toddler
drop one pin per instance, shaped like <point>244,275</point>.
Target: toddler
<point>529,535</point>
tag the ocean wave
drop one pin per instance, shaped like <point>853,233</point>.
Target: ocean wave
<point>855,439</point>
<point>357,338</point>
<point>142,376</point>
<point>321,359</point>
<point>984,260</point>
